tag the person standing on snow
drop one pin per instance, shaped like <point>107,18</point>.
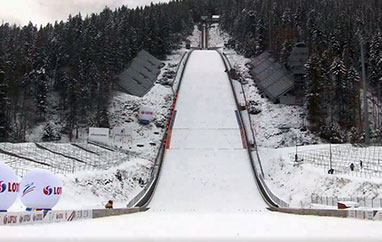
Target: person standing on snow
<point>109,204</point>
<point>352,166</point>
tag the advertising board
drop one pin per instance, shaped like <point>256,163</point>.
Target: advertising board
<point>46,216</point>
<point>100,135</point>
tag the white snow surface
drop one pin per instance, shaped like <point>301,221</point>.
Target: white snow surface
<point>206,167</point>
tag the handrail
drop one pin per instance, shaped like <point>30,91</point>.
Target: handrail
<point>143,198</point>
<point>250,121</point>
<point>268,197</point>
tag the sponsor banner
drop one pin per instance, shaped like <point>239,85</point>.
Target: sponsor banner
<point>121,132</point>
<point>21,218</point>
<point>71,215</point>
<point>100,135</point>
<point>360,214</point>
<point>369,215</point>
<point>145,114</point>
<point>84,214</point>
<point>14,218</point>
<point>351,214</point>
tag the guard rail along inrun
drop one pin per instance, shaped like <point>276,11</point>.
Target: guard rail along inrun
<point>271,199</point>
<point>143,198</point>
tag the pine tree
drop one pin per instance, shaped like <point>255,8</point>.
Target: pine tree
<point>314,93</point>
<point>338,72</point>
<point>4,120</point>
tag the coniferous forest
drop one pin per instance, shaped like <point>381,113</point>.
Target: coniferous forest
<point>333,30</point>
<point>77,60</point>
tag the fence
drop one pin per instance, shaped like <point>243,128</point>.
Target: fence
<point>52,216</point>
<point>340,157</point>
<point>362,201</point>
<point>58,158</point>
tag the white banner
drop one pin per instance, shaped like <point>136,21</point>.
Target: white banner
<point>100,135</point>
<point>14,218</point>
<point>360,214</point>
<point>121,134</point>
<point>369,215</point>
<point>351,214</point>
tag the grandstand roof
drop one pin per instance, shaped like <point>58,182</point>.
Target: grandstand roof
<point>139,78</point>
<point>271,77</point>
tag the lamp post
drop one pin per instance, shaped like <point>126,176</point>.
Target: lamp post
<point>365,105</point>
<point>330,156</point>
<point>296,157</point>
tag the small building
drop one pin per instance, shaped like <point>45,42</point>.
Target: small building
<point>297,59</point>
<point>296,65</point>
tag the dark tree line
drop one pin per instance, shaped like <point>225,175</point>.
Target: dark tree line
<point>69,67</point>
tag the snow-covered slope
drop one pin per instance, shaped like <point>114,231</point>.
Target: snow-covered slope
<point>206,168</point>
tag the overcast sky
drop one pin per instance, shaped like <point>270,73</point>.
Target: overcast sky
<point>44,11</point>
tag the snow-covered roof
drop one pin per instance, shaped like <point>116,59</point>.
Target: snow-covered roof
<point>271,77</point>
<point>139,78</point>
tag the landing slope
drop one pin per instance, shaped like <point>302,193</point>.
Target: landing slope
<point>206,167</point>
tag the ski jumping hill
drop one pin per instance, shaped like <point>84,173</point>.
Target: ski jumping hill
<point>206,167</point>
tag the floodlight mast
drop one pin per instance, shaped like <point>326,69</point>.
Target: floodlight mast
<point>365,105</point>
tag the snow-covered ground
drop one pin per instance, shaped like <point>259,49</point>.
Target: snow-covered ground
<point>144,140</point>
<point>92,189</point>
<point>297,183</point>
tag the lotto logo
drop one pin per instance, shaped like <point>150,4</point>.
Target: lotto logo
<point>52,190</point>
<point>10,187</point>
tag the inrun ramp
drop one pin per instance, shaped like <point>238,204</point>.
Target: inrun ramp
<point>206,167</point>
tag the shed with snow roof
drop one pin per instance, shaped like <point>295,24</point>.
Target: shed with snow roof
<point>141,75</point>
